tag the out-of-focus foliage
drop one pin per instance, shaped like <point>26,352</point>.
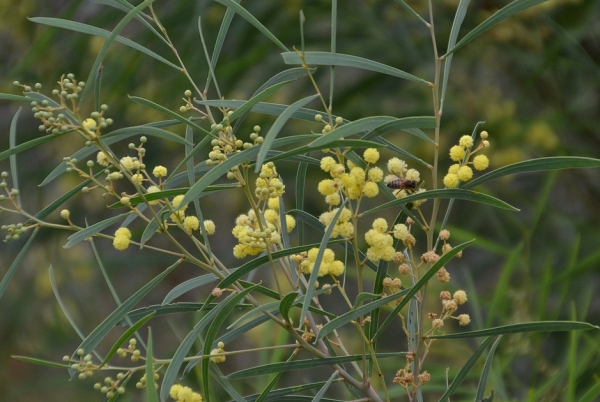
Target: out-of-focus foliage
<point>534,79</point>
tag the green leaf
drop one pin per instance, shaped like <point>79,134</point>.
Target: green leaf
<point>12,143</point>
<point>411,11</point>
<point>150,385</point>
<point>362,297</point>
<point>225,23</point>
<point>170,113</point>
<point>127,132</point>
<point>462,374</point>
<point>346,60</point>
<point>126,335</point>
<point>303,364</point>
<point>109,41</point>
<point>109,322</point>
<point>502,14</point>
<point>411,292</point>
<point>13,267</point>
<point>455,193</point>
<point>487,367</point>
<point>30,144</point>
<point>250,18</point>
<point>14,98</point>
<point>189,285</point>
<point>276,128</point>
<point>536,165</point>
<point>286,304</point>
<point>159,195</point>
<point>62,305</point>
<point>405,124</point>
<point>40,362</point>
<point>165,309</point>
<point>539,326</point>
<point>92,230</point>
<point>370,123</point>
<point>91,30</point>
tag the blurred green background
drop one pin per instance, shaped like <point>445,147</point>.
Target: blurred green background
<point>534,80</point>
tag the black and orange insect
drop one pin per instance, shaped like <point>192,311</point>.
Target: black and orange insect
<point>403,184</point>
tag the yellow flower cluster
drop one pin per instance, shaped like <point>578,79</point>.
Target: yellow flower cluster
<point>268,184</point>
<point>220,349</point>
<point>184,394</point>
<point>329,265</point>
<point>253,240</point>
<point>353,184</point>
<point>122,238</point>
<point>343,227</point>
<point>380,242</point>
<point>461,153</point>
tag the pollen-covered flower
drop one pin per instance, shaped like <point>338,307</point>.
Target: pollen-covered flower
<point>333,199</point>
<point>153,189</point>
<point>460,297</point>
<point>210,227</point>
<point>129,163</point>
<point>466,141</point>
<point>370,189</point>
<point>371,155</point>
<point>102,159</point>
<point>413,174</point>
<point>465,173</point>
<point>327,187</point>
<point>464,319</point>
<point>329,265</point>
<point>290,223</point>
<point>137,178</point>
<point>159,171</point>
<point>122,238</point>
<point>184,394</point>
<point>220,349</point>
<point>89,124</point>
<point>380,242</point>
<point>327,163</point>
<point>457,153</point>
<point>375,174</point>
<point>191,223</point>
<point>400,231</point>
<point>451,180</point>
<point>396,166</point>
<point>481,162</point>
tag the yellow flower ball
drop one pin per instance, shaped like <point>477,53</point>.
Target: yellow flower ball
<point>465,173</point>
<point>153,189</point>
<point>400,231</point>
<point>190,223</point>
<point>333,199</point>
<point>466,141</point>
<point>290,223</point>
<point>121,240</point>
<point>481,162</point>
<point>380,225</point>
<point>326,187</point>
<point>451,180</point>
<point>89,124</point>
<point>371,155</point>
<point>454,168</point>
<point>370,189</point>
<point>177,200</point>
<point>327,163</point>
<point>457,153</point>
<point>273,203</point>
<point>396,166</point>
<point>125,232</point>
<point>413,174</point>
<point>336,268</point>
<point>271,216</point>
<point>137,178</point>
<point>375,174</point>
<point>159,171</point>
<point>359,174</point>
<point>102,159</point>
<point>210,227</point>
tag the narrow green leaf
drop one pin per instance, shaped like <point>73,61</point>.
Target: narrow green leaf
<point>13,267</point>
<point>278,394</point>
<point>291,155</point>
<point>362,297</point>
<point>189,285</point>
<point>92,230</point>
<point>62,305</point>
<point>127,132</point>
<point>402,152</point>
<point>169,113</point>
<point>30,144</point>
<point>370,123</point>
<point>14,98</point>
<point>225,23</point>
<point>286,304</point>
<point>109,41</point>
<point>250,18</point>
<point>455,193</point>
<point>166,309</point>
<point>405,124</point>
<point>539,326</point>
<point>160,195</point>
<point>462,374</point>
<point>109,322</point>
<point>91,30</point>
<point>487,367</point>
<point>502,14</point>
<point>444,259</point>
<point>126,335</point>
<point>347,60</point>
<point>150,385</point>
<point>12,143</point>
<point>411,11</point>
<point>276,128</point>
<point>40,362</point>
<point>303,364</point>
<point>536,165</point>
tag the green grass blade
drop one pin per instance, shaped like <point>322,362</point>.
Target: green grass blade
<point>303,364</point>
<point>502,14</point>
<point>225,23</point>
<point>91,30</point>
<point>211,69</point>
<point>461,11</point>
<point>370,123</point>
<point>347,60</point>
<point>276,128</point>
<point>455,193</point>
<point>537,165</point>
<point>126,335</point>
<point>462,374</point>
<point>539,326</point>
<point>92,230</point>
<point>498,306</point>
<point>13,267</point>
<point>487,367</point>
<point>250,18</point>
<point>109,41</point>
<point>150,384</point>
<point>127,132</point>
<point>411,292</point>
<point>211,335</point>
<point>117,315</point>
<point>40,362</point>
